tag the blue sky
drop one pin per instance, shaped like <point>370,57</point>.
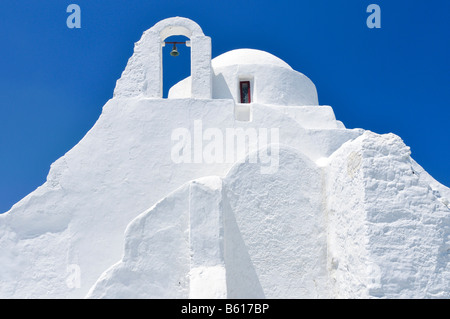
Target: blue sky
<point>55,80</point>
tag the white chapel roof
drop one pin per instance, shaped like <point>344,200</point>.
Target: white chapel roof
<point>248,56</point>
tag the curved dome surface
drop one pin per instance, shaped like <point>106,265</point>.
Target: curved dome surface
<point>272,81</point>
<point>248,56</point>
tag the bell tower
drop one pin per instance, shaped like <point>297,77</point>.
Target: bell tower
<point>143,74</point>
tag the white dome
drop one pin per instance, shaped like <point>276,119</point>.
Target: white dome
<point>272,81</point>
<point>248,56</point>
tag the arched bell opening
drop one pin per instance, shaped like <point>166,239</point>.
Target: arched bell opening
<point>200,55</point>
<point>176,61</point>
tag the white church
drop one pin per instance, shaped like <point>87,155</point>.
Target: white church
<point>238,185</point>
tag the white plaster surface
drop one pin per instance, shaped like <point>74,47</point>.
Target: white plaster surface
<point>273,81</point>
<point>341,213</point>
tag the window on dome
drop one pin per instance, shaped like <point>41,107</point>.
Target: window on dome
<point>245,91</point>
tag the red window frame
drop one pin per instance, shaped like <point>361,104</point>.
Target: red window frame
<point>241,90</point>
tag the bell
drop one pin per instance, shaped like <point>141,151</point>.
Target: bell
<point>174,51</point>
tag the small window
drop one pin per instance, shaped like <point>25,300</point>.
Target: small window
<point>245,91</point>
